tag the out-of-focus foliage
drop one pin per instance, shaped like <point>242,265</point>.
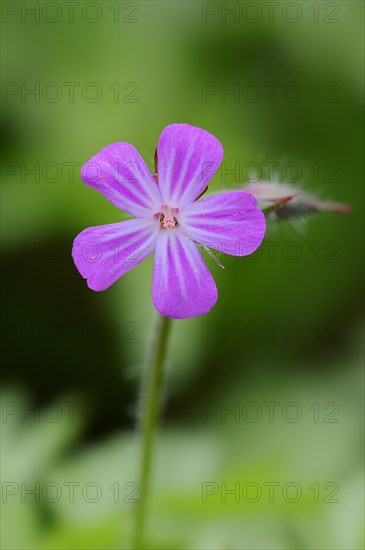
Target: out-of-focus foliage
<point>87,496</point>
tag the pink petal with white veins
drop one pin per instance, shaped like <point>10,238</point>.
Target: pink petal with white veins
<point>188,157</point>
<point>182,285</point>
<point>104,253</point>
<point>121,175</point>
<point>228,222</point>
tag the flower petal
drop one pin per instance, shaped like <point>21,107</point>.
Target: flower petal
<point>188,157</point>
<point>104,253</point>
<point>228,222</point>
<point>119,172</point>
<point>182,285</point>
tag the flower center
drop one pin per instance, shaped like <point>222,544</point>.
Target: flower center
<point>167,217</point>
<point>168,222</point>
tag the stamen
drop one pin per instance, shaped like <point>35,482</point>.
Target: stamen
<point>210,253</point>
<point>168,222</point>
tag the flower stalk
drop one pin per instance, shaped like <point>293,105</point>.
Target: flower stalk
<point>150,400</point>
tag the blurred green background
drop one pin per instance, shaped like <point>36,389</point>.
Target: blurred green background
<point>291,367</point>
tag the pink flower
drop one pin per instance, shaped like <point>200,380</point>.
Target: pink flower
<point>168,220</point>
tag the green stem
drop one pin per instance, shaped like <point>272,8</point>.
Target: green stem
<point>150,401</point>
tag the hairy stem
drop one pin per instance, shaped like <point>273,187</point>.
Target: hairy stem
<point>150,400</point>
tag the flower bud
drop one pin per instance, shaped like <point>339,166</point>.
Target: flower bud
<point>280,200</point>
